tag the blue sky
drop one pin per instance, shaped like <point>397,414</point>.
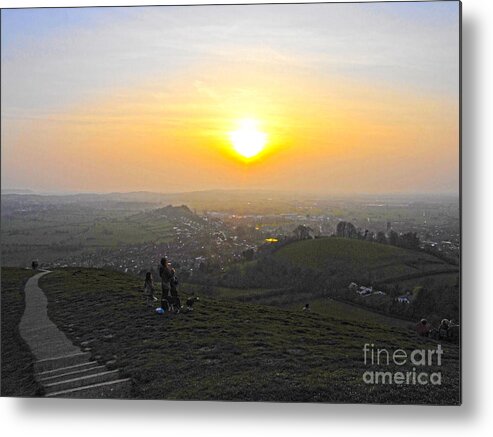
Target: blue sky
<point>409,44</point>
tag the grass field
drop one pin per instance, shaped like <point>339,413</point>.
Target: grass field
<point>334,308</point>
<point>239,294</point>
<point>72,231</point>
<point>445,280</point>
<point>17,360</point>
<point>310,271</point>
<point>349,260</point>
<point>359,257</point>
<point>228,350</point>
<point>325,305</point>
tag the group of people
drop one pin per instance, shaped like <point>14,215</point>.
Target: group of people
<point>447,330</point>
<point>169,287</point>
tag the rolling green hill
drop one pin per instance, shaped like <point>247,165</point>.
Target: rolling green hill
<point>311,271</point>
<point>340,260</point>
<point>231,350</point>
<point>360,258</point>
<point>311,265</point>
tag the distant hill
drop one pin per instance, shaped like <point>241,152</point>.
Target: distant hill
<point>227,350</point>
<point>61,232</point>
<point>239,201</point>
<point>16,191</point>
<point>360,259</point>
<point>173,212</point>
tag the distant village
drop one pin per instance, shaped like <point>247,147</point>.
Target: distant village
<point>214,240</point>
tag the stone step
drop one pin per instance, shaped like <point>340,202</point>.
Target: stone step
<point>68,384</point>
<point>71,375</point>
<point>68,369</point>
<point>119,389</point>
<point>61,361</point>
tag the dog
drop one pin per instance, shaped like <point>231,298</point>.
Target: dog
<point>190,301</point>
<point>171,304</point>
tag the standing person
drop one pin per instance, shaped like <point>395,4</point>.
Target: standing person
<point>166,274</point>
<point>149,289</point>
<point>175,300</point>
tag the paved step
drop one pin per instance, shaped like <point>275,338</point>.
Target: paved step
<point>121,388</point>
<point>61,361</point>
<point>72,375</point>
<point>82,381</point>
<point>61,367</point>
<point>68,369</point>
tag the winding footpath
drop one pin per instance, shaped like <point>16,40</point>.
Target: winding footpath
<point>61,367</point>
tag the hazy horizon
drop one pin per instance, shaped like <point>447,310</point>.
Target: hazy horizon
<point>233,190</point>
<point>351,98</point>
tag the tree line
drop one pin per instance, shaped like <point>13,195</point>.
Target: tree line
<point>407,240</point>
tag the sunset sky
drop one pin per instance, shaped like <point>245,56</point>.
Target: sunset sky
<point>350,98</point>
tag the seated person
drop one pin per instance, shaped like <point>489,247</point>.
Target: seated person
<point>423,328</point>
<point>443,329</point>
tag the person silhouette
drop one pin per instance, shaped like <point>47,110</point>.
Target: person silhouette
<point>166,275</point>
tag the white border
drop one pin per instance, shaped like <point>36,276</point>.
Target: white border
<point>34,417</point>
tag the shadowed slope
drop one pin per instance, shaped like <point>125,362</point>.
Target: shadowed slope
<point>231,351</point>
<point>17,359</point>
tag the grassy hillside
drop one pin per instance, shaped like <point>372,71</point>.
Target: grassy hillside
<point>230,350</point>
<point>358,257</point>
<point>17,360</point>
<point>322,305</point>
<point>334,308</point>
<point>340,260</point>
<point>310,270</point>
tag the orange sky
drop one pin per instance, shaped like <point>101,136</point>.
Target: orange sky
<point>167,130</point>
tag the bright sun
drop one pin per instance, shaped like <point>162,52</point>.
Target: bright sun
<point>247,140</point>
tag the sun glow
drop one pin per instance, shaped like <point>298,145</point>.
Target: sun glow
<point>247,140</point>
